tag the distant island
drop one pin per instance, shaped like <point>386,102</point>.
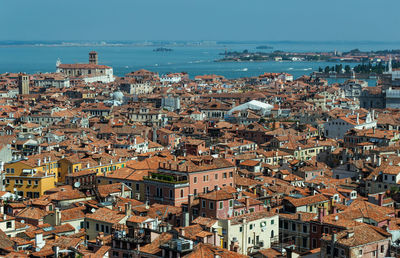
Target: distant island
<point>162,49</point>
<point>352,56</point>
<point>264,47</point>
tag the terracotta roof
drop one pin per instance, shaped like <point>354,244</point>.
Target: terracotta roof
<point>202,250</point>
<point>297,202</point>
<point>154,246</point>
<point>106,215</point>
<point>359,235</point>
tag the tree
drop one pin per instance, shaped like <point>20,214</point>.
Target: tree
<point>320,70</point>
<point>327,69</point>
<point>347,69</point>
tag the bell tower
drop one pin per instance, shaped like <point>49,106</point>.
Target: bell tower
<point>23,84</point>
<point>93,58</point>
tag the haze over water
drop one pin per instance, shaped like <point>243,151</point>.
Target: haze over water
<point>195,60</point>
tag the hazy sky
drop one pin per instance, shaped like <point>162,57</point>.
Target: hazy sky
<point>199,20</point>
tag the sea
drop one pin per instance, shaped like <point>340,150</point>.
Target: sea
<point>195,59</point>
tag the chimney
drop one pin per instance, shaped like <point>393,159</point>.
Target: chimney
<point>234,246</point>
<point>190,204</point>
<point>1,207</point>
<point>39,243</point>
<point>215,233</point>
<point>56,250</point>
<point>57,213</point>
<point>334,237</point>
<point>380,199</point>
<point>350,234</point>
<point>379,162</point>
<point>320,214</point>
<point>247,202</point>
<point>128,209</point>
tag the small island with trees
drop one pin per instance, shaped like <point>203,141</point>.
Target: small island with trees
<point>162,49</point>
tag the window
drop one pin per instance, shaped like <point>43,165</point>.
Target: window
<point>216,176</point>
<point>241,229</point>
<point>195,191</point>
<point>230,203</point>
<point>181,193</point>
<point>221,205</point>
<point>97,227</point>
<point>137,187</point>
<point>230,174</point>
<point>286,225</point>
<point>9,225</point>
<point>36,182</point>
<point>170,194</point>
<point>304,241</point>
<point>195,179</point>
<point>272,222</point>
<point>328,249</point>
<point>211,205</point>
<point>272,234</point>
<point>382,248</point>
<point>29,182</point>
<point>251,226</point>
<point>203,203</point>
<point>293,226</point>
<point>249,240</point>
<point>224,175</point>
<point>87,224</point>
<point>360,252</point>
<point>304,228</point>
<point>102,228</point>
<point>314,229</point>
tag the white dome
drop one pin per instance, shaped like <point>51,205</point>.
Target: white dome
<point>119,96</point>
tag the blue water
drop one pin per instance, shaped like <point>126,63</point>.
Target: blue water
<point>195,60</point>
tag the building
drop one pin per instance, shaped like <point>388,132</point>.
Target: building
<point>32,177</point>
<point>175,180</point>
<point>103,220</point>
<point>23,84</point>
<point>361,241</point>
<point>91,72</point>
<point>248,232</point>
<point>338,127</point>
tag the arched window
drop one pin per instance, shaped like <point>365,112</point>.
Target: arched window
<point>272,233</point>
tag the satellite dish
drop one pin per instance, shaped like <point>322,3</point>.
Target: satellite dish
<point>77,184</point>
<point>93,210</point>
<point>23,221</point>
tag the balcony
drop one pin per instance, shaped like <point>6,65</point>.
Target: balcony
<point>167,178</point>
<point>179,245</point>
<point>124,234</point>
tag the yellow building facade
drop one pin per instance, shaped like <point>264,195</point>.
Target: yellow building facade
<point>27,179</point>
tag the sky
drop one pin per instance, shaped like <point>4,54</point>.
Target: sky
<point>264,20</point>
